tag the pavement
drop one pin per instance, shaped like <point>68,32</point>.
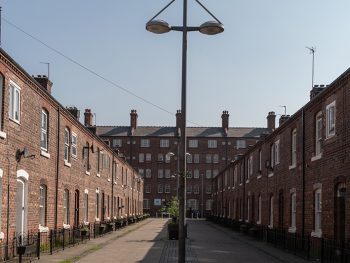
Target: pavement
<point>147,242</point>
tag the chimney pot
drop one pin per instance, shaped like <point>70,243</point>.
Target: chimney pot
<point>133,120</point>
<point>225,120</point>
<point>88,117</point>
<point>44,82</point>
<point>74,111</point>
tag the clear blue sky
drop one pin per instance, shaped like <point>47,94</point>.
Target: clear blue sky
<point>257,64</point>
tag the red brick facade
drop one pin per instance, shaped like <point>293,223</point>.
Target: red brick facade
<point>303,184</point>
<point>161,180</point>
<point>38,176</point>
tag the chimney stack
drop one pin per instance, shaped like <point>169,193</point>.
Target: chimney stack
<point>178,121</point>
<point>133,120</point>
<point>74,111</point>
<point>271,118</point>
<point>316,90</point>
<point>225,117</point>
<point>283,119</point>
<point>44,82</point>
<point>88,118</point>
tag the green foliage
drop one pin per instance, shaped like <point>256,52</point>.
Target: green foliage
<point>173,207</point>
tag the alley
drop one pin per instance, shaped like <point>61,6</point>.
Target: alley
<point>207,243</point>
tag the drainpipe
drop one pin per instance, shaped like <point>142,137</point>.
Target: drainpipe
<point>113,174</point>
<point>57,163</point>
<point>303,170</point>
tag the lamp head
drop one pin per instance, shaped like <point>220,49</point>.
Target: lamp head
<point>211,28</point>
<point>158,26</point>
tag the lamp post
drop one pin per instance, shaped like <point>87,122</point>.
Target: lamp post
<point>208,28</point>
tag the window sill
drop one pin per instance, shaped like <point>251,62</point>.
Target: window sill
<point>317,157</point>
<point>270,175</point>
<point>291,167</point>
<point>2,236</point>
<point>67,164</point>
<point>292,229</point>
<point>87,172</point>
<point>247,182</point>
<point>259,176</point>
<point>270,226</point>
<point>2,136</point>
<point>258,223</point>
<point>45,154</point>
<point>108,180</point>
<point>43,229</point>
<point>98,175</point>
<point>316,233</point>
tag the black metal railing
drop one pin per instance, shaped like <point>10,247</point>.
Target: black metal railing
<point>307,246</point>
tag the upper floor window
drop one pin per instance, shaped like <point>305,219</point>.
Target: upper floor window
<point>318,134</point>
<point>141,172</point>
<point>196,158</point>
<point>160,157</point>
<point>160,188</point>
<point>189,158</point>
<point>148,157</point>
<point>164,143</point>
<point>15,102</point>
<point>42,205</point>
<point>196,173</point>
<point>74,145</point>
<point>208,158</point>
<point>86,155</point>
<point>193,143</point>
<point>215,158</point>
<point>145,143</point>
<point>240,144</point>
<point>44,130</point>
<point>167,188</point>
<point>167,173</point>
<point>250,166</point>
<point>294,147</point>
<point>260,161</point>
<point>147,188</point>
<point>148,173</point>
<point>272,155</point>
<point>160,173</point>
<point>141,157</point>
<point>208,174</point>
<point>117,143</point>
<point>212,143</point>
<point>66,144</point>
<point>330,119</point>
<point>277,152</point>
<point>215,172</point>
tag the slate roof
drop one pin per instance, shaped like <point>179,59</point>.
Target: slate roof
<point>153,131</point>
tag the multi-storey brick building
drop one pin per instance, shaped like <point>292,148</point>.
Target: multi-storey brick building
<point>297,177</point>
<point>153,151</point>
<point>54,172</point>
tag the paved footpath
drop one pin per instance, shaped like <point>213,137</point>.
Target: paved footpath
<point>147,242</point>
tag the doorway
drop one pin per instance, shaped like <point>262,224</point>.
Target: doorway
<point>76,208</point>
<point>340,212</point>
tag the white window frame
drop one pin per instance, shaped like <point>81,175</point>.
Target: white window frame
<point>208,188</point>
<point>196,173</point>
<point>215,158</point>
<point>117,142</point>
<point>141,157</point>
<point>208,174</point>
<point>160,173</point>
<point>330,120</point>
<point>148,157</point>
<point>277,152</point>
<point>15,102</point>
<point>74,143</point>
<point>317,213</point>
<point>146,204</point>
<point>44,130</point>
<point>86,206</point>
<point>167,188</point>
<point>196,158</point>
<point>66,144</point>
<point>66,197</point>
<point>160,157</point>
<point>42,205</point>
<point>148,173</point>
<point>164,143</point>
<point>148,188</point>
<point>318,133</point>
<point>293,212</point>
<point>193,144</point>
<point>294,148</point>
<point>196,189</point>
<point>167,173</point>
<point>208,158</point>
<point>241,144</point>
<point>160,188</point>
<point>212,144</point>
<point>145,143</point>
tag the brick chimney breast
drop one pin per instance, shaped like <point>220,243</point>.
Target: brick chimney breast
<point>283,119</point>
<point>133,120</point>
<point>225,120</point>
<point>74,111</point>
<point>88,117</point>
<point>44,82</point>
<point>271,121</point>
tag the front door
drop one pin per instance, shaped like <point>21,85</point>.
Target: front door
<point>76,208</point>
<point>103,207</point>
<point>340,213</point>
<point>281,210</point>
<point>20,207</point>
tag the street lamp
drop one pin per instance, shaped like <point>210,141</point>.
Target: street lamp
<point>208,28</point>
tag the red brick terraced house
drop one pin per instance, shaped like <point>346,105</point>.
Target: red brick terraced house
<point>54,172</point>
<point>296,178</point>
<point>153,152</point>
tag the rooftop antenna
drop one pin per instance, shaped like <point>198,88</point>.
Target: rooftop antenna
<point>48,68</point>
<point>312,51</point>
<point>285,109</point>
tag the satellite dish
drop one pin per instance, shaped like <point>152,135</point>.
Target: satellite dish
<point>25,152</point>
